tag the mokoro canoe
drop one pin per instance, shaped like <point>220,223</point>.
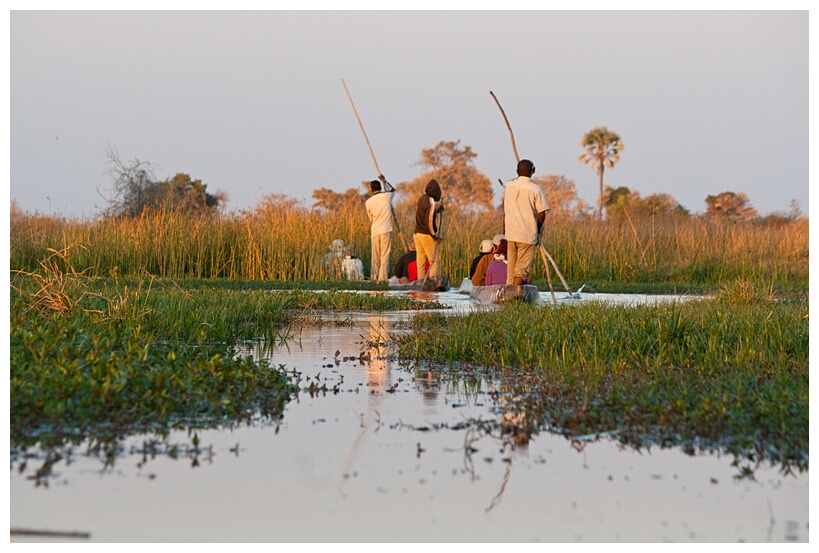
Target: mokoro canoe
<point>503,293</point>
<point>438,283</point>
<point>465,287</point>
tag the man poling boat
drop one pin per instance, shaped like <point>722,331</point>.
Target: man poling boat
<point>525,207</point>
<point>428,225</point>
<point>380,212</point>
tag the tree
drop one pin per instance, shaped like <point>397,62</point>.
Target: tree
<point>131,181</point>
<point>602,150</point>
<point>662,204</point>
<point>331,201</point>
<point>623,201</point>
<point>796,209</point>
<point>728,205</point>
<point>16,213</point>
<point>464,188</point>
<point>279,204</point>
<point>135,188</point>
<point>181,193</point>
<point>618,200</point>
<point>561,194</point>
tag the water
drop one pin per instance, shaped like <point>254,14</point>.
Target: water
<point>391,455</point>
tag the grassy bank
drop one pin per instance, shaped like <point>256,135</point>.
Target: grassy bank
<point>105,358</point>
<point>287,244</point>
<point>730,373</point>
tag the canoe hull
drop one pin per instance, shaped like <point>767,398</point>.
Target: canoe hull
<point>438,283</point>
<point>505,293</point>
<point>465,287</point>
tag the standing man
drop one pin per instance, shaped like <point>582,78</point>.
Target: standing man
<point>525,207</point>
<point>427,227</point>
<point>379,210</point>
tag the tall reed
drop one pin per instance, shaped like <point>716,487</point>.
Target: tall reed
<point>287,243</point>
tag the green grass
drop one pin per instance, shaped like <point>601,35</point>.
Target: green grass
<point>70,381</point>
<point>250,285</point>
<point>104,358</point>
<point>731,372</point>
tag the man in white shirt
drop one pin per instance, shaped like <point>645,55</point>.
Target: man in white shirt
<point>379,210</point>
<point>525,207</point>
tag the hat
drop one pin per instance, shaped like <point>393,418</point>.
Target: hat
<point>498,237</point>
<point>486,246</point>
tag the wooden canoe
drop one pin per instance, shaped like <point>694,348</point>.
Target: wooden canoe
<point>504,293</point>
<point>439,283</point>
<point>466,287</point>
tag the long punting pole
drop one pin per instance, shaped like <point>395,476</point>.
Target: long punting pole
<point>508,126</point>
<point>394,218</point>
<point>544,254</point>
<point>362,126</point>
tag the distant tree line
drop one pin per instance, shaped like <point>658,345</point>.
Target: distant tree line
<point>466,189</point>
<point>136,188</point>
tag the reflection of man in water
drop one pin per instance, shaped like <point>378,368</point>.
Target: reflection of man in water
<point>514,421</point>
<point>377,365</point>
<point>429,387</point>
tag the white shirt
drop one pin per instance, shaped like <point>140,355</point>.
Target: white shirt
<point>380,213</point>
<point>523,199</point>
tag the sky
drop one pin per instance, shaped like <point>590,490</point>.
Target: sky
<point>252,103</point>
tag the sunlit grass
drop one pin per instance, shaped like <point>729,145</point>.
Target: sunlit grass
<point>727,371</point>
<point>288,244</point>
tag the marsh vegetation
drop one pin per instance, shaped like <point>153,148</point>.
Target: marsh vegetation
<point>673,252</point>
<point>105,358</point>
<point>729,373</point>
<point>128,323</point>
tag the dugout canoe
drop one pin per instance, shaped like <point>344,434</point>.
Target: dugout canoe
<point>465,287</point>
<point>438,283</point>
<point>504,293</point>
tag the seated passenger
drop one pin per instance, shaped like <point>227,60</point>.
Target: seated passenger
<point>406,268</point>
<point>401,270</point>
<point>496,270</point>
<point>486,249</point>
<point>479,278</point>
<point>351,266</point>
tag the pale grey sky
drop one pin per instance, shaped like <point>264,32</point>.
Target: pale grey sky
<point>252,103</point>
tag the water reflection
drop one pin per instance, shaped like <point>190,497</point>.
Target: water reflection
<point>392,451</point>
<point>429,387</point>
<point>377,368</point>
<point>377,335</point>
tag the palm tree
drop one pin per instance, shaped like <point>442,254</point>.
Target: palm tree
<point>602,150</point>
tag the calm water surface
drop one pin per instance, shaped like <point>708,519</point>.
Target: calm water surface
<point>391,454</point>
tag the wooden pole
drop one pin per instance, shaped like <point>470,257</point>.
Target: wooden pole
<point>563,280</point>
<point>508,126</point>
<point>362,127</point>
<point>548,276</point>
<point>543,253</point>
<point>394,218</point>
